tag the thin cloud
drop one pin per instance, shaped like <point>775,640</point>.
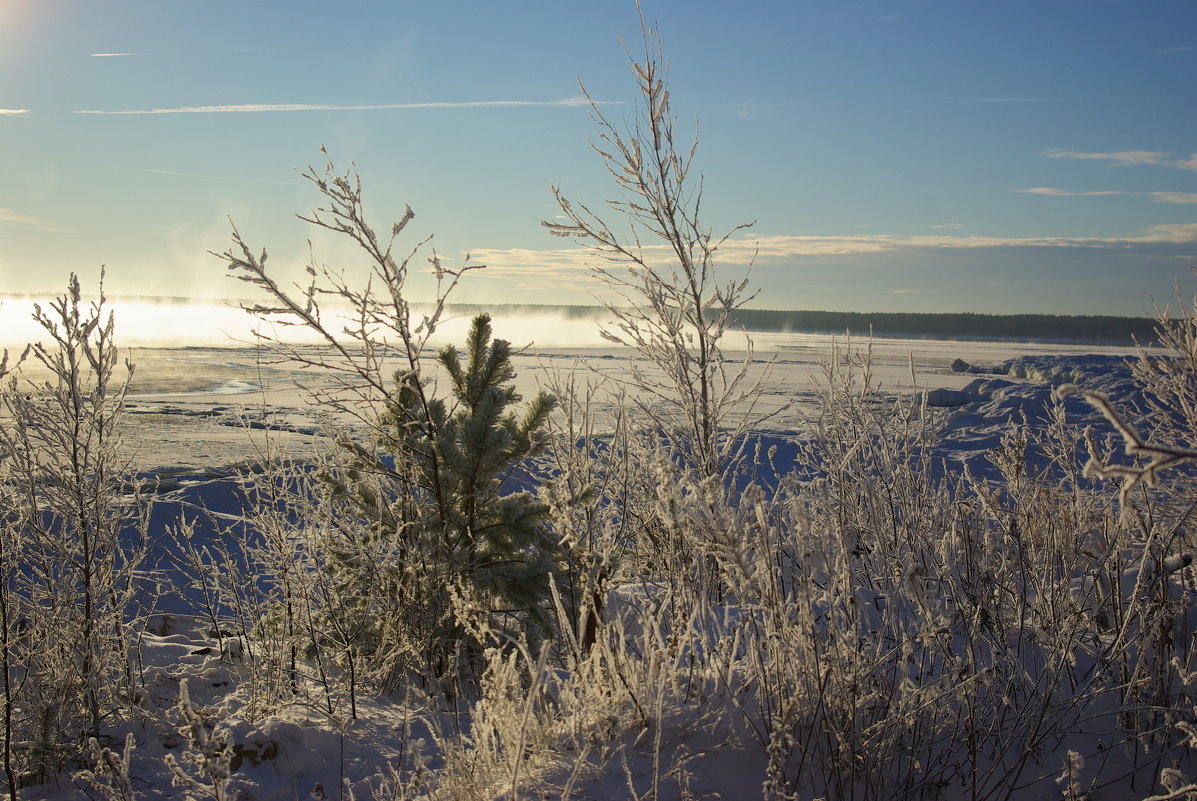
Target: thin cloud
<point>1047,190</point>
<point>112,55</point>
<point>196,175</point>
<point>16,218</point>
<point>252,108</point>
<point>14,112</point>
<point>1168,51</point>
<point>10,216</point>
<point>781,246</point>
<point>530,267</point>
<point>1127,158</point>
<point>1010,100</point>
<point>523,263</point>
<point>1185,198</point>
<point>1182,234</point>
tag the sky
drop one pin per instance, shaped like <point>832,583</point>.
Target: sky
<point>1000,157</point>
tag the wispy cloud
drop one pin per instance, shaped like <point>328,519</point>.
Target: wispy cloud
<point>835,245</point>
<point>540,267</point>
<point>1047,190</point>
<point>1127,158</point>
<point>16,218</point>
<point>1009,100</point>
<point>14,112</point>
<point>196,175</point>
<point>250,108</point>
<point>1185,198</point>
<point>1182,234</point>
<point>526,267</point>
<point>10,216</point>
<point>112,55</point>
<point>1168,51</point>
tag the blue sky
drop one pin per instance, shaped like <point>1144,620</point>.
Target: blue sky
<point>897,156</point>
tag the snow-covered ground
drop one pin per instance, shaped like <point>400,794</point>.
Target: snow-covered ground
<point>200,407</point>
<point>198,414</point>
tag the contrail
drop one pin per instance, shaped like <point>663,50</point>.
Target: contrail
<point>259,107</point>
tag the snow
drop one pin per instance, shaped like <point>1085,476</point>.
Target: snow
<point>191,447</point>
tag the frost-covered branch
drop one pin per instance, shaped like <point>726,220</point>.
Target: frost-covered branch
<point>1158,456</point>
<point>365,325</point>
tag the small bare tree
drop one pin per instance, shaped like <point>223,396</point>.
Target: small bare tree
<point>667,301</point>
<point>11,610</point>
<point>377,325</point>
<point>72,538</point>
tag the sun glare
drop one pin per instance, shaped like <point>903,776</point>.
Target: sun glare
<point>166,325</point>
<point>16,19</point>
<point>14,11</point>
<point>139,324</point>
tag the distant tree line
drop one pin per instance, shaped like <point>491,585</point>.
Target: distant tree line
<point>574,312</point>
<point>1104,328</point>
<point>960,325</point>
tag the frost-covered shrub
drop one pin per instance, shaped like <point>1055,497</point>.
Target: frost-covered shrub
<point>891,627</point>
<point>206,763</point>
<point>416,503</point>
<point>69,542</point>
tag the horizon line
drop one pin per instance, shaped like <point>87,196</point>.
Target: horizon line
<point>182,300</point>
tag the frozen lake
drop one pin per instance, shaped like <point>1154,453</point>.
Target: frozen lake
<point>201,393</point>
<point>790,365</point>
